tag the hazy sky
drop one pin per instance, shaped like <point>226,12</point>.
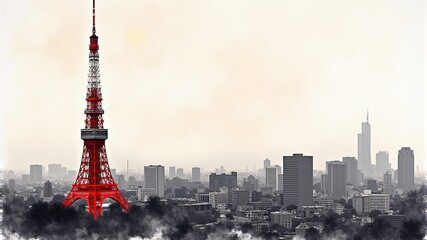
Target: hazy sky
<point>210,83</point>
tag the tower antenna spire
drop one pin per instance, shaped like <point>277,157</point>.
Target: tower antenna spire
<point>367,113</point>
<point>93,17</point>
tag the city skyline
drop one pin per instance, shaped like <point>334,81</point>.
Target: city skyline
<point>228,98</point>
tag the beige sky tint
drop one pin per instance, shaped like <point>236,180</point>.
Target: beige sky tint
<point>210,83</point>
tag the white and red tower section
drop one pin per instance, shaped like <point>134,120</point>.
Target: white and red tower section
<point>94,181</point>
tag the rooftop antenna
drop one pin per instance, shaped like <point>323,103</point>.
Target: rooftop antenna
<point>93,18</point>
<point>367,113</point>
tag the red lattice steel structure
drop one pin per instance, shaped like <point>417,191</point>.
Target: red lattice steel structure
<point>94,182</point>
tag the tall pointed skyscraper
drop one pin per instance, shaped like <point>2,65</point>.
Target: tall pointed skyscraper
<point>364,147</point>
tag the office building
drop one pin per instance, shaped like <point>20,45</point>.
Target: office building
<point>36,173</point>
<point>270,177</point>
<point>382,162</point>
<point>195,174</point>
<point>406,168</point>
<point>267,163</point>
<point>240,198</point>
<point>172,172</point>
<point>336,179</point>
<point>54,170</point>
<point>216,181</point>
<point>283,218</point>
<point>351,169</point>
<point>365,203</point>
<point>47,190</point>
<point>298,180</point>
<point>364,148</point>
<point>387,178</point>
<point>154,176</point>
<point>280,182</point>
<point>371,184</point>
<point>121,182</point>
<point>180,173</point>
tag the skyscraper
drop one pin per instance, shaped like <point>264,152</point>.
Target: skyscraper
<point>387,178</point>
<point>180,173</point>
<point>406,168</point>
<point>336,179</point>
<point>172,173</point>
<point>195,174</point>
<point>351,169</point>
<point>54,170</point>
<point>280,181</point>
<point>270,177</point>
<point>267,163</point>
<point>364,148</point>
<point>382,162</point>
<point>36,173</point>
<point>154,176</point>
<point>298,180</point>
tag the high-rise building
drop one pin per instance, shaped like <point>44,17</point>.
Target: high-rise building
<point>278,169</point>
<point>54,170</point>
<point>351,169</point>
<point>195,174</point>
<point>172,173</point>
<point>382,162</point>
<point>154,176</point>
<point>280,182</point>
<point>270,177</point>
<point>364,148</point>
<point>406,169</point>
<point>36,173</point>
<point>298,180</point>
<point>371,184</point>
<point>121,182</point>
<point>216,181</point>
<point>47,190</point>
<point>336,179</point>
<point>267,163</point>
<point>387,178</point>
<point>180,173</point>
<point>324,183</point>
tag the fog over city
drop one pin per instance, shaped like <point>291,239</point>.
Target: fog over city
<point>213,83</point>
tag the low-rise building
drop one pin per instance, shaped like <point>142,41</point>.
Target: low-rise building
<point>365,203</point>
<point>283,218</point>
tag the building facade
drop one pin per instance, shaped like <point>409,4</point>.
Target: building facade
<point>351,169</point>
<point>298,180</point>
<point>364,148</point>
<point>406,169</point>
<point>154,176</point>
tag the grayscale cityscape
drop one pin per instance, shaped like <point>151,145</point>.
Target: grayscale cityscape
<point>354,197</point>
<point>224,120</point>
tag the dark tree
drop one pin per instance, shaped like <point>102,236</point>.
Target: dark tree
<point>312,234</point>
<point>291,207</point>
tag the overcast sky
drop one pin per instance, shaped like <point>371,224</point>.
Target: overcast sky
<point>210,83</point>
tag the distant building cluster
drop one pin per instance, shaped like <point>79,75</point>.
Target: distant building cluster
<point>287,194</point>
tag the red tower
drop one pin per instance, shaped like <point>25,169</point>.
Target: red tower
<point>94,182</point>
